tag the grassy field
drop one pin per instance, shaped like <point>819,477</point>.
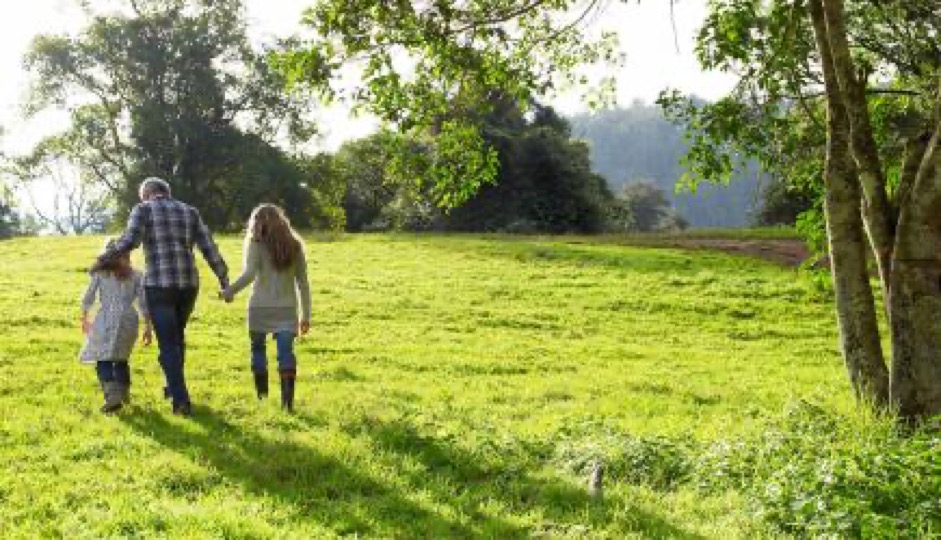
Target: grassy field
<point>451,387</point>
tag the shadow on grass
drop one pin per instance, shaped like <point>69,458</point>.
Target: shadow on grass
<point>338,496</point>
<point>470,483</point>
<point>316,487</point>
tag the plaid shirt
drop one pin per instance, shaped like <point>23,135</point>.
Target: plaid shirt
<point>168,229</point>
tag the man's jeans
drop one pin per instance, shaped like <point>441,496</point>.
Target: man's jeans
<point>170,310</point>
<point>285,344</point>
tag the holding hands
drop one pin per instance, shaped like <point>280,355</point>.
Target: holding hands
<point>148,336</point>
<point>227,295</point>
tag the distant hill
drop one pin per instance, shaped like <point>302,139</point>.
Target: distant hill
<point>639,144</point>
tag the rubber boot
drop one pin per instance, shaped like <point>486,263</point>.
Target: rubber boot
<point>261,383</point>
<point>288,376</point>
<point>124,392</point>
<point>122,373</point>
<point>112,392</point>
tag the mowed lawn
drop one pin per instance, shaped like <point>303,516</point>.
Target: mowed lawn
<point>442,377</point>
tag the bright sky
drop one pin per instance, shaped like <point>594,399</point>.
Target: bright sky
<point>645,30</point>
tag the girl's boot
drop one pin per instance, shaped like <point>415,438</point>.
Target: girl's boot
<point>261,383</point>
<point>288,376</point>
<point>122,376</point>
<point>113,397</point>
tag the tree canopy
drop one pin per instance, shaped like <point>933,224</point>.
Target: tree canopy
<point>434,66</point>
<point>173,88</point>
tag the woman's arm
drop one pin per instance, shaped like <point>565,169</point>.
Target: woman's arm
<point>252,261</point>
<point>303,287</point>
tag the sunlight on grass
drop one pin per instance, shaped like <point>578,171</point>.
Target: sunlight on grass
<point>441,376</point>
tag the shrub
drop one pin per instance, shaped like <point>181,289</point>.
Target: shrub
<point>816,474</point>
<point>656,462</point>
<point>812,473</point>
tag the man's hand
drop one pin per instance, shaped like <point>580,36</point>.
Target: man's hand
<point>148,336</point>
<point>304,327</point>
<point>86,326</point>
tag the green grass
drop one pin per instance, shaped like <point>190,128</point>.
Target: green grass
<point>754,233</point>
<point>446,387</point>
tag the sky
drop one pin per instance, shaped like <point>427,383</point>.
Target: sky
<point>652,61</point>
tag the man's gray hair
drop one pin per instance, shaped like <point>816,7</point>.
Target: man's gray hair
<point>157,186</point>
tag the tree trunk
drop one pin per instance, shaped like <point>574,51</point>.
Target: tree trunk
<point>856,312</point>
<point>851,91</point>
<point>915,300</point>
<point>912,275</point>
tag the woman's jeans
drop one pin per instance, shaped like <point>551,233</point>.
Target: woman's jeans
<point>285,346</point>
<point>170,310</point>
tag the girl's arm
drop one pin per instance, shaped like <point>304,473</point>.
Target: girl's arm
<point>88,300</point>
<point>249,270</point>
<point>303,288</point>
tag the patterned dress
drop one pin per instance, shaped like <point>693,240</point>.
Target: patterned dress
<point>114,331</point>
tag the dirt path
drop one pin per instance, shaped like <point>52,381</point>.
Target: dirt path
<point>789,253</point>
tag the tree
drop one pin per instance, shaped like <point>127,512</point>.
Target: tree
<point>170,88</point>
<point>9,219</point>
<point>78,204</point>
<point>368,188</point>
<point>647,208</point>
<point>872,68</point>
<point>327,190</point>
<point>434,67</point>
<point>544,183</point>
<point>782,204</point>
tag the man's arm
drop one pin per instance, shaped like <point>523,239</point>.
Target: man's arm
<point>148,335</point>
<point>210,251</point>
<point>133,234</point>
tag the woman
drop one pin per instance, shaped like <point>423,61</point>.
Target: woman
<point>275,264</point>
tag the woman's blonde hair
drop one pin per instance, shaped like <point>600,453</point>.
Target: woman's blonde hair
<point>271,227</point>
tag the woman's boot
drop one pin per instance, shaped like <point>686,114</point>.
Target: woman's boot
<point>288,376</point>
<point>261,383</point>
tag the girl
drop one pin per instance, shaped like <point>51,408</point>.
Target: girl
<point>111,337</point>
<point>275,262</point>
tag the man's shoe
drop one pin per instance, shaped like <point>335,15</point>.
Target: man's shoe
<point>111,408</point>
<point>183,409</point>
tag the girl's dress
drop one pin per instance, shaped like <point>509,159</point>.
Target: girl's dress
<point>114,331</point>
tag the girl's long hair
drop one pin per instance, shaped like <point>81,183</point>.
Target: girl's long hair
<point>271,227</point>
<point>118,266</point>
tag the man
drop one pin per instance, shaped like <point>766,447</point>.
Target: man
<point>169,229</point>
